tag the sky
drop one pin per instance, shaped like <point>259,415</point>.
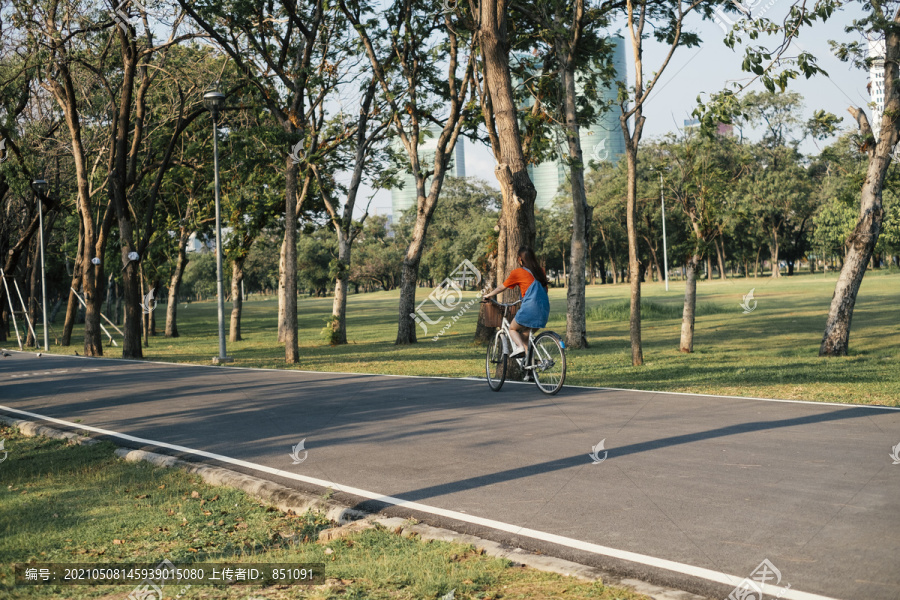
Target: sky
<point>712,67</point>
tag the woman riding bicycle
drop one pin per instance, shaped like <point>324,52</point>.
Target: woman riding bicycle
<point>535,309</point>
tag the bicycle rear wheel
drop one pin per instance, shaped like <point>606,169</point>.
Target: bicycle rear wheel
<point>549,360</point>
<point>495,363</point>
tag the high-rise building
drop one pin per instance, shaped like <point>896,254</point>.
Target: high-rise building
<point>876,84</point>
<point>601,141</point>
<point>723,129</point>
<point>405,197</point>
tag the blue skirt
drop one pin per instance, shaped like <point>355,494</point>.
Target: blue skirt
<point>535,309</point>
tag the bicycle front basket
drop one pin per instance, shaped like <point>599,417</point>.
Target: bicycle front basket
<point>492,315</point>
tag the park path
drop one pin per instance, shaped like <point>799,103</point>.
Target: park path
<point>690,491</point>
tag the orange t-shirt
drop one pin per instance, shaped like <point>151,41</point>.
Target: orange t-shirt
<point>519,277</point>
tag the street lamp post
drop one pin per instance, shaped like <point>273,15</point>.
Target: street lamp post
<point>40,187</point>
<point>214,101</point>
<point>662,199</point>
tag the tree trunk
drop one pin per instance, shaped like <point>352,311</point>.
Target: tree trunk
<point>237,299</point>
<point>93,340</point>
<point>33,299</point>
<point>773,250</point>
<point>690,304</point>
<point>152,314</point>
<point>406,325</point>
<point>341,283</point>
<point>281,281</point>
<point>132,292</point>
<point>483,333</point>
<point>654,259</point>
<point>861,243</point>
<point>720,255</point>
<point>288,322</point>
<point>517,227</point>
<point>109,294</point>
<point>172,305</point>
<point>634,266</point>
<point>576,328</point>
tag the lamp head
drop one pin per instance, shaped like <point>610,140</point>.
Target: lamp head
<point>214,101</point>
<point>40,186</point>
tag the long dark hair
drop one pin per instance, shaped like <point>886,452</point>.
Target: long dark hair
<point>529,261</point>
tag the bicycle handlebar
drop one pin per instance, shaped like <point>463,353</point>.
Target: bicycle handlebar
<point>505,305</point>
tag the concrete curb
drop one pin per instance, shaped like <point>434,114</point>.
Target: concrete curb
<point>285,499</point>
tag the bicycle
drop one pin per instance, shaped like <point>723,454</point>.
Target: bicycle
<point>544,359</point>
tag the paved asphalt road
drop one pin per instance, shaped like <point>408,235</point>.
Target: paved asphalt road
<point>714,485</point>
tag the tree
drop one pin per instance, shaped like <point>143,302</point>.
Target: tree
<point>702,172</point>
<point>883,24</point>
<point>134,156</point>
<point>498,108</point>
<point>70,81</point>
<point>369,130</point>
<point>667,19</point>
<point>576,51</point>
<point>289,53</point>
<point>406,62</point>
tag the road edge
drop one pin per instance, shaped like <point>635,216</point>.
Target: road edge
<point>286,499</point>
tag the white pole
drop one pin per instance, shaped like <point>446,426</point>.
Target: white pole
<point>43,278</point>
<point>12,311</point>
<point>223,357</point>
<point>25,311</point>
<point>101,324</point>
<point>662,199</point>
<point>105,318</point>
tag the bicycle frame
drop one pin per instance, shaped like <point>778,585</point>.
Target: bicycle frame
<point>529,349</point>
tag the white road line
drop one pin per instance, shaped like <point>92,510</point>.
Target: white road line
<point>577,387</point>
<point>643,559</point>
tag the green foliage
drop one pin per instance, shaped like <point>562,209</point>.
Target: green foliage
<point>461,228</point>
<point>200,275</point>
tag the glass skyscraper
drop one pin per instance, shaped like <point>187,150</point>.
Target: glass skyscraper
<point>601,141</point>
<point>405,198</point>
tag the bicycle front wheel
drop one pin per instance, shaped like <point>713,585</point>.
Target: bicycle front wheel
<point>495,363</point>
<point>549,361</point>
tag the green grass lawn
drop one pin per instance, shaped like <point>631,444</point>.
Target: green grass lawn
<point>770,352</point>
<point>81,504</point>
